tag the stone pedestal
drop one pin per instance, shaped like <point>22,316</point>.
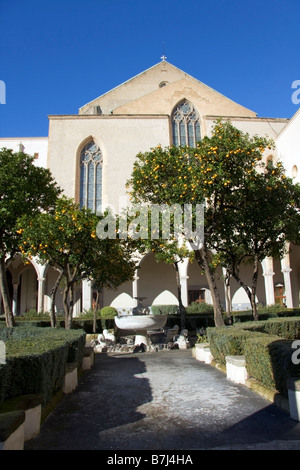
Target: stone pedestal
<point>208,357</point>
<point>141,338</point>
<point>88,359</point>
<point>12,430</point>
<point>293,384</point>
<point>199,351</point>
<point>236,369</point>
<point>71,378</point>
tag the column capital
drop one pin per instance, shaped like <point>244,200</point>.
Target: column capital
<point>286,269</point>
<point>268,273</point>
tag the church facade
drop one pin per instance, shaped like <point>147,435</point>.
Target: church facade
<point>91,157</point>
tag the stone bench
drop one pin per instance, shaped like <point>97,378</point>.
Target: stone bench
<point>12,425</point>
<point>293,385</point>
<point>32,406</point>
<point>71,378</point>
<point>236,369</point>
<point>88,359</point>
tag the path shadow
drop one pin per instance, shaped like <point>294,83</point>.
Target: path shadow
<point>107,398</point>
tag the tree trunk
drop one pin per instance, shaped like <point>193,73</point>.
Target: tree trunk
<point>95,312</point>
<point>182,310</point>
<point>202,259</point>
<point>9,318</point>
<point>66,306</point>
<point>71,305</point>
<point>254,287</point>
<point>228,298</point>
<point>52,299</point>
<point>251,293</point>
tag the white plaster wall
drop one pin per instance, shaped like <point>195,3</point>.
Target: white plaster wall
<point>31,146</point>
<point>120,140</point>
<point>288,147</point>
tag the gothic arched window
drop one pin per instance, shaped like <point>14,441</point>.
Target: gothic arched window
<point>91,177</point>
<point>185,125</point>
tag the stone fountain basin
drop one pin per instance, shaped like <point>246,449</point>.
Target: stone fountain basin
<point>133,324</point>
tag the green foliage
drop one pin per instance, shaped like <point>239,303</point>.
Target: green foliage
<point>251,208</point>
<point>202,336</point>
<point>88,315</point>
<point>34,315</point>
<point>36,360</point>
<point>266,345</point>
<point>265,313</point>
<point>200,307</point>
<point>108,313</point>
<point>66,239</point>
<point>164,309</point>
<point>287,328</point>
<point>269,361</point>
<point>26,190</point>
<point>227,341</point>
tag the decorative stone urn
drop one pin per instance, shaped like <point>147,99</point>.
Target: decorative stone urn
<point>139,322</point>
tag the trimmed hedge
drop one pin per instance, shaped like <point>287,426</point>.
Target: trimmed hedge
<point>200,307</point>
<point>268,356</point>
<point>265,313</point>
<point>82,323</point>
<point>268,360</point>
<point>36,360</point>
<point>164,309</point>
<point>287,328</point>
<point>228,341</point>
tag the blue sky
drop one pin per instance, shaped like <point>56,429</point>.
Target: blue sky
<point>57,55</point>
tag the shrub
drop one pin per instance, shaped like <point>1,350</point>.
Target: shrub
<point>33,315</point>
<point>164,309</point>
<point>108,313</point>
<point>268,360</point>
<point>264,313</point>
<point>287,328</point>
<point>268,356</point>
<point>201,307</point>
<point>88,315</point>
<point>227,341</point>
<point>36,360</point>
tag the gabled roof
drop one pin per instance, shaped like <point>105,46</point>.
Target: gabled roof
<point>152,81</point>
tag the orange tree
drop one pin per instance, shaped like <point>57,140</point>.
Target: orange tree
<point>66,239</point>
<point>261,216</point>
<point>169,250</point>
<point>208,174</point>
<point>25,189</point>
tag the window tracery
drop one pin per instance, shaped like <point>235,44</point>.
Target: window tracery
<point>91,177</point>
<point>185,125</point>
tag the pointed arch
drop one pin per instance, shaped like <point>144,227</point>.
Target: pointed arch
<point>90,162</point>
<point>185,124</point>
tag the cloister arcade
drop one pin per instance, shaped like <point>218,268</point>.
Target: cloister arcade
<point>30,285</point>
